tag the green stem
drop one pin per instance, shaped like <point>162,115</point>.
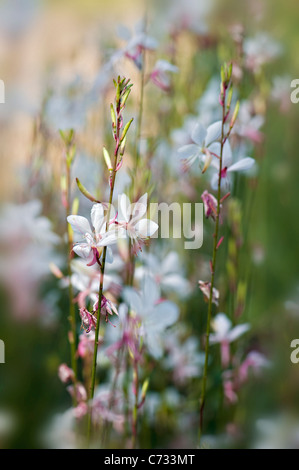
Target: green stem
<point>135,408</point>
<point>95,351</point>
<point>72,313</point>
<point>207,343</point>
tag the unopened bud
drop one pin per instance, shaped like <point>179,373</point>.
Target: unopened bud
<point>107,159</point>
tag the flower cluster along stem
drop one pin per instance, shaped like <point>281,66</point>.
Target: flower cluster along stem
<point>122,92</point>
<point>213,262</point>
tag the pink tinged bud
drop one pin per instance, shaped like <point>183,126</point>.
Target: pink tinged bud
<point>78,392</point>
<point>235,114</point>
<point>119,165</point>
<point>219,242</point>
<point>210,205</point>
<point>64,199</point>
<point>88,320</point>
<point>225,354</point>
<point>56,271</point>
<point>229,392</point>
<point>224,197</point>
<point>65,373</point>
<point>81,410</point>
<point>205,287</point>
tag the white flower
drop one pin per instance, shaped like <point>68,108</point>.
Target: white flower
<point>260,50</point>
<point>204,143</point>
<point>167,272</point>
<point>159,74</point>
<point>243,164</point>
<point>90,250</point>
<point>132,223</point>
<point>224,332</point>
<point>248,123</point>
<point>155,315</point>
<point>136,43</point>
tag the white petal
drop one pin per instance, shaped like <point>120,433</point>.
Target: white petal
<point>164,314</point>
<point>153,342</point>
<point>139,208</point>
<point>146,228</point>
<point>79,224</point>
<point>170,263</point>
<point>227,155</point>
<point>133,299</point>
<point>199,134</point>
<point>165,66</point>
<point>109,259</point>
<point>123,32</point>
<point>124,206</point>
<point>242,165</point>
<point>97,217</point>
<point>221,325</point>
<point>214,181</point>
<point>176,283</point>
<point>108,238</point>
<point>150,291</point>
<point>238,331</point>
<point>213,132</point>
<point>215,147</point>
<point>189,150</point>
<point>83,250</point>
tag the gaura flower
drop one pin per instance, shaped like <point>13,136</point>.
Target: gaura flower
<point>154,315</point>
<point>228,166</point>
<point>159,75</point>
<point>137,42</point>
<point>96,239</point>
<point>132,223</point>
<point>166,270</point>
<point>204,144</point>
<point>224,334</point>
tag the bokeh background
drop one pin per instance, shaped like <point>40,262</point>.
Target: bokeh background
<point>52,51</point>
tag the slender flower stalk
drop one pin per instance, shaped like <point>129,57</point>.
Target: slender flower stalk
<point>66,191</point>
<point>122,91</point>
<point>136,403</point>
<point>225,84</point>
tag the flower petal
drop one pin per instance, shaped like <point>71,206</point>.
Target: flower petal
<point>199,134</point>
<point>146,228</point>
<point>97,217</point>
<point>227,155</point>
<point>213,132</point>
<point>124,208</point>
<point>83,250</point>
<point>242,165</point>
<point>79,224</point>
<point>190,150</point>
<point>238,331</point>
